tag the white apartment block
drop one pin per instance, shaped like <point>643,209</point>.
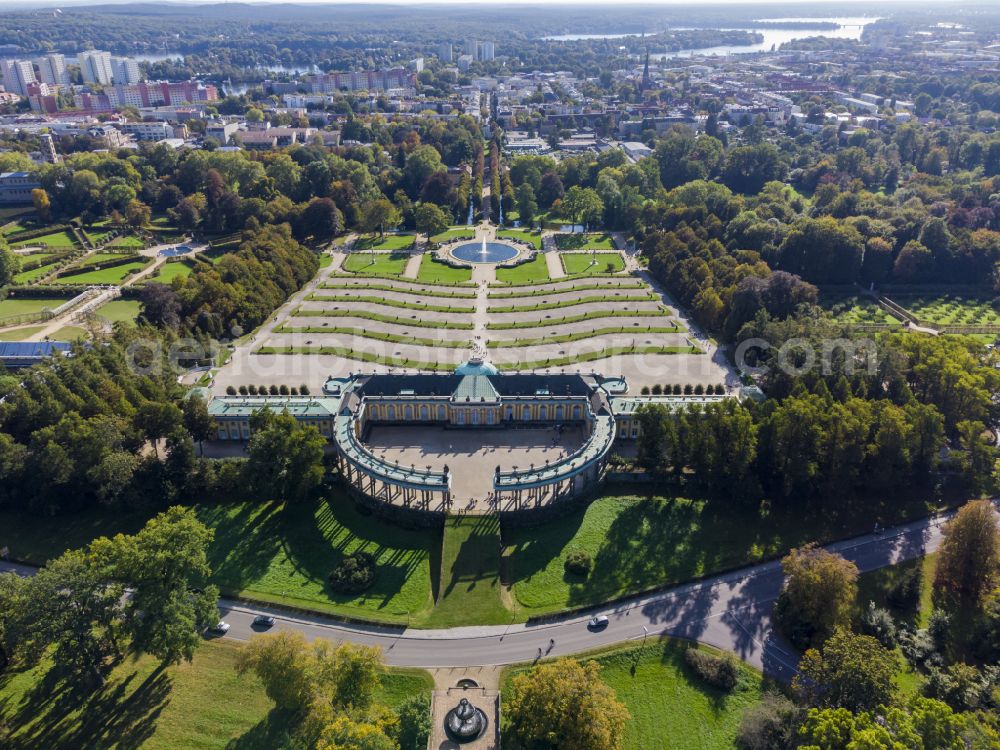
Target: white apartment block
<point>17,75</point>
<point>96,67</point>
<point>125,70</point>
<point>52,70</point>
<point>487,51</point>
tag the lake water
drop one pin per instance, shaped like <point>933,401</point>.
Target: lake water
<point>849,27</point>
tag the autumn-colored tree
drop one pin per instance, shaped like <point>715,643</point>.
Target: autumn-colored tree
<point>820,590</point>
<point>564,705</point>
<point>969,557</point>
<point>851,671</point>
<point>43,206</point>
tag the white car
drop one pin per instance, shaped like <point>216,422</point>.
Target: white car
<point>220,628</point>
<point>598,623</point>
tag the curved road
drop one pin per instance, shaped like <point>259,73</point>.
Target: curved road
<point>729,611</point>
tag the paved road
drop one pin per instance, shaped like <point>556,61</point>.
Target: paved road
<point>730,611</point>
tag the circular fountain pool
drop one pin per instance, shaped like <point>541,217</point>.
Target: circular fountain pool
<point>490,252</point>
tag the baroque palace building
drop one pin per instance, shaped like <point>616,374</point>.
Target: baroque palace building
<point>477,397</point>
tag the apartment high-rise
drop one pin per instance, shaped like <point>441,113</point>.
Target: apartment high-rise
<point>445,52</point>
<point>487,51</point>
<point>472,48</point>
<point>52,70</point>
<point>17,75</point>
<point>96,67</point>
<point>125,70</point>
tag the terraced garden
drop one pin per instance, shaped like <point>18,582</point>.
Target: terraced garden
<point>951,309</point>
<point>379,318</point>
<point>62,240</point>
<point>856,309</point>
<point>435,270</point>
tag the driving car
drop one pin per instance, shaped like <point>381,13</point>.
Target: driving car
<point>598,623</point>
<point>263,621</point>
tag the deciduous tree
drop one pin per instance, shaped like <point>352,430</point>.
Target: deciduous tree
<point>969,557</point>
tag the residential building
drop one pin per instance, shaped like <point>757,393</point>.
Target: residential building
<point>472,48</point>
<point>221,131</point>
<point>125,70</point>
<point>96,67</point>
<point>487,51</point>
<point>445,52</point>
<point>16,187</point>
<point>274,137</point>
<point>52,70</point>
<point>17,75</point>
<point>361,80</point>
<point>148,131</point>
<point>416,65</point>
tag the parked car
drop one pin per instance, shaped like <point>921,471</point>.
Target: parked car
<point>598,623</point>
<point>220,628</point>
<point>263,621</point>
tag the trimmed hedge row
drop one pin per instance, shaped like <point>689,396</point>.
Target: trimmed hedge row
<point>365,315</point>
<point>650,297</point>
<point>392,303</point>
<point>388,288</point>
<point>578,318</point>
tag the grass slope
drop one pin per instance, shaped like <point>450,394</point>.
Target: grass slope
<point>120,310</point>
<point>638,543</point>
<point>274,552</point>
<point>469,590</point>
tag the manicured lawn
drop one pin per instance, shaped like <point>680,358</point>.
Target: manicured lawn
<point>63,240</point>
<point>433,270</point>
<point>201,705</point>
<point>470,574</point>
<point>113,275</point>
<point>128,241</point>
<point>120,310</point>
<point>857,310</point>
<point>13,307</point>
<point>671,706</point>
<point>97,258</point>
<point>535,270</point>
<point>15,226</point>
<point>325,260</point>
<point>390,264</point>
<point>531,237</point>
<point>950,309</point>
<point>453,234</point>
<point>273,552</point>
<point>585,264</point>
<point>639,543</point>
<point>170,271</point>
<point>19,334</point>
<point>582,241</point>
<point>389,242</point>
<point>26,277</point>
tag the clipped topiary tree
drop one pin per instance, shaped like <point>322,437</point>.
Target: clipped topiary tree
<point>699,390</point>
<point>230,391</point>
<point>251,388</point>
<point>283,389</point>
<point>304,389</point>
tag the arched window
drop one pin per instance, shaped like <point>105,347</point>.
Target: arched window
<point>510,413</point>
<point>490,416</point>
<point>576,412</point>
<point>409,413</point>
<point>475,416</point>
<point>543,412</point>
<point>559,413</point>
<point>460,416</point>
<point>526,413</point>
<point>442,412</point>
<point>391,412</point>
<point>423,412</point>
